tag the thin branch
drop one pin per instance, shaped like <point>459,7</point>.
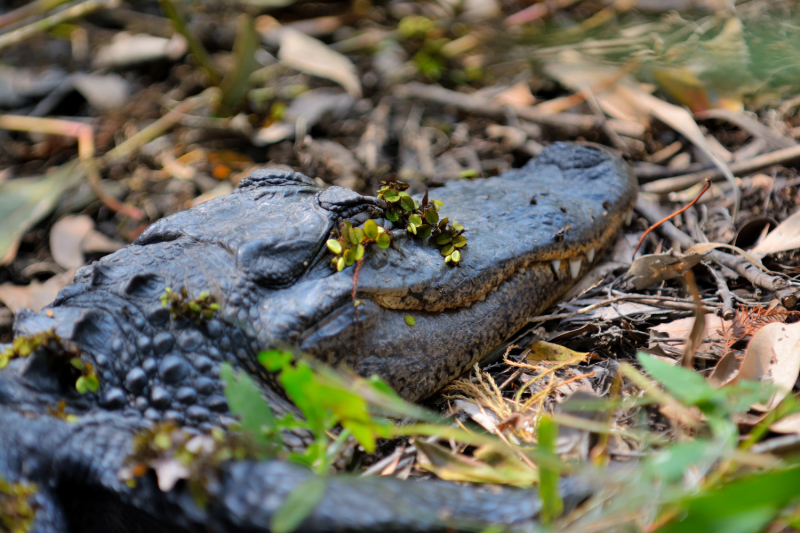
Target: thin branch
<point>673,215</point>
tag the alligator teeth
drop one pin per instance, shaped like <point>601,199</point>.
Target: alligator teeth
<point>590,254</point>
<point>629,218</point>
<point>575,267</point>
<point>556,265</point>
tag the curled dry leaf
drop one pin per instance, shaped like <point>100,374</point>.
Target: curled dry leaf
<point>35,295</point>
<point>72,236</point>
<point>782,239</point>
<point>773,355</point>
<point>546,351</point>
<point>66,237</point>
<point>312,56</point>
<point>671,336</point>
<point>650,269</point>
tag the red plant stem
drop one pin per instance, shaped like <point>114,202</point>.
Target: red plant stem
<point>673,215</point>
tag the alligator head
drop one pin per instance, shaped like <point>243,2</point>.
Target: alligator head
<point>261,253</point>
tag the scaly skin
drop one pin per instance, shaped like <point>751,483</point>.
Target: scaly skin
<point>260,251</point>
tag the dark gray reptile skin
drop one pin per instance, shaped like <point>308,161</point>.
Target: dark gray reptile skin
<point>260,251</point>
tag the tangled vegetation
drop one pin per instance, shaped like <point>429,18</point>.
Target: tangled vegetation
<point>420,219</point>
<point>23,346</point>
<point>181,306</point>
<point>16,511</point>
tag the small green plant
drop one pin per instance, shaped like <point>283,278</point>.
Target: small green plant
<point>325,404</point>
<point>180,305</point>
<point>88,381</point>
<point>16,512</point>
<point>24,345</point>
<point>420,219</point>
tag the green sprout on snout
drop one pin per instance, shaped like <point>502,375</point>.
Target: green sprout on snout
<point>420,219</point>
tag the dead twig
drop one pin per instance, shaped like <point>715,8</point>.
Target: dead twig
<point>723,292</point>
<point>678,183</point>
<point>569,123</point>
<point>739,265</point>
<point>673,215</point>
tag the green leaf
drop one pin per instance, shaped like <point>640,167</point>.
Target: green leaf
<point>455,256</point>
<point>349,257</point>
<point>298,505</point>
<point>196,47</point>
<point>392,215</point>
<point>459,241</point>
<point>431,216</point>
<point>340,264</point>
<point>359,253</point>
<point>437,204</point>
<point>412,229</point>
<point>274,360</point>
<point>686,385</point>
<point>552,504</point>
<point>442,239</point>
<point>245,400</point>
<point>26,201</point>
<point>423,232</point>
<point>407,203</point>
<point>384,241</point>
<point>334,246</point>
<point>391,196</point>
<point>410,320</point>
<point>92,383</point>
<point>370,229</point>
<point>457,226</point>
<point>447,250</point>
<point>356,236</point>
<point>80,385</point>
<point>415,219</point>
<point>237,81</point>
<point>745,505</point>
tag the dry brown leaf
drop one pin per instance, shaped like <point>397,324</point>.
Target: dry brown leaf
<point>576,73</point>
<point>782,239</point>
<point>671,336</point>
<point>66,237</point>
<point>546,351</point>
<point>787,424</point>
<point>650,269</point>
<point>72,236</point>
<point>452,467</point>
<point>312,56</point>
<point>35,295</point>
<point>773,355</point>
<point>725,371</point>
<point>486,418</point>
<point>518,95</point>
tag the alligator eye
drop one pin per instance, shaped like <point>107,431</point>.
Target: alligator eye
<point>274,264</point>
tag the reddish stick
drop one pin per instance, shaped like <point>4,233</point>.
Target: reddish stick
<point>673,215</point>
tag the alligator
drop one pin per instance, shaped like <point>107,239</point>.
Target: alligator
<point>261,252</point>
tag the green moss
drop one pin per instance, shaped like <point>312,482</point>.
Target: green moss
<point>16,511</point>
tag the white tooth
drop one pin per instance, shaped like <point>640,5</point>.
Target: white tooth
<point>575,267</point>
<point>482,297</point>
<point>629,219</point>
<point>556,265</point>
<point>590,254</point>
